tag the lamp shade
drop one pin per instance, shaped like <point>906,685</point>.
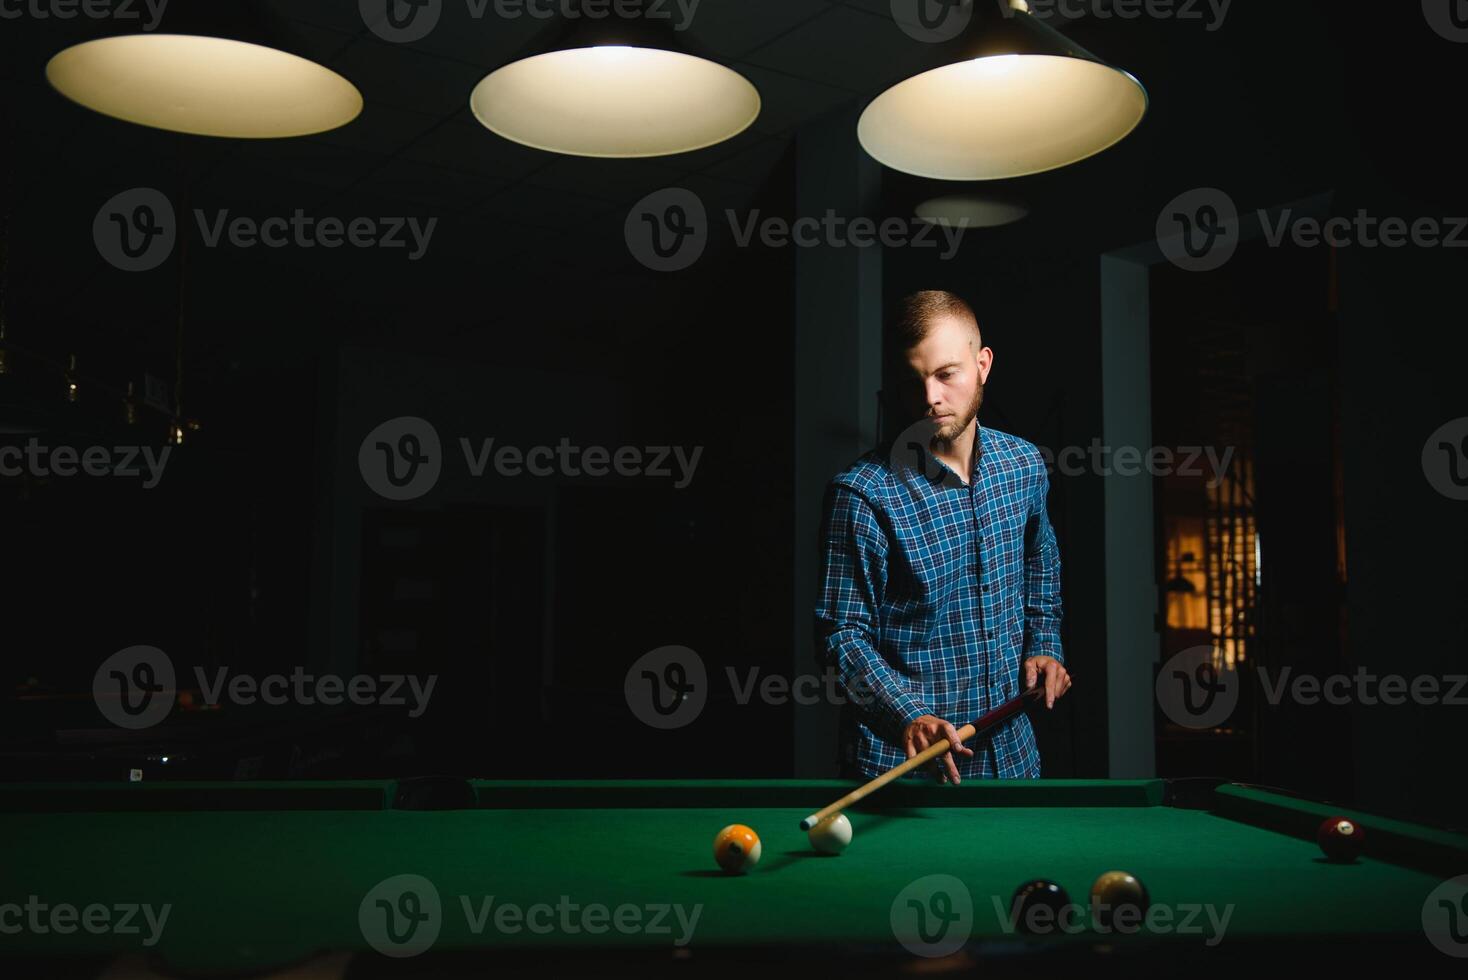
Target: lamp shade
<point>970,211</point>
<point>1011,96</point>
<point>615,88</point>
<point>208,72</point>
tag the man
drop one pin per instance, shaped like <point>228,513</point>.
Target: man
<point>940,576</point>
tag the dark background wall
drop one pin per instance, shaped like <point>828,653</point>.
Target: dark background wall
<point>528,320</point>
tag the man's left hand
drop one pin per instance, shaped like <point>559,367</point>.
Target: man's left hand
<point>1057,679</point>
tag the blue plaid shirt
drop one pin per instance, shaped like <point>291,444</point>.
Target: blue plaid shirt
<point>932,595</point>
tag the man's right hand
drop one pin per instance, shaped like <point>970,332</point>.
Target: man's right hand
<point>930,730</point>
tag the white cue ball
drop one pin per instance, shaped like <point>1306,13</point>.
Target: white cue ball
<point>831,835</point>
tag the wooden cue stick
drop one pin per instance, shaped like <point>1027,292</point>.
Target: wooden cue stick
<point>985,722</point>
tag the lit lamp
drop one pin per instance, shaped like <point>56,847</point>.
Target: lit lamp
<point>622,84</point>
<point>970,211</point>
<point>1013,96</point>
<point>212,69</point>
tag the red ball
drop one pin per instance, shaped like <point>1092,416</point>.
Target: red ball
<point>1341,839</point>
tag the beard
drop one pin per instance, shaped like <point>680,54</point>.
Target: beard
<point>951,430</point>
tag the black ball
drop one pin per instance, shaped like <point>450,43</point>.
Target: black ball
<point>1041,907</point>
<point>1341,839</point>
<point>1119,901</point>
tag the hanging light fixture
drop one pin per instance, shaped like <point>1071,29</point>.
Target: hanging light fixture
<point>619,82</point>
<point>211,68</point>
<point>970,211</point>
<point>1013,96</point>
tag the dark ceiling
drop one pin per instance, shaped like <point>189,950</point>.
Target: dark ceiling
<point>1278,102</point>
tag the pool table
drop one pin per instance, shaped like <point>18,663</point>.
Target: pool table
<point>449,877</point>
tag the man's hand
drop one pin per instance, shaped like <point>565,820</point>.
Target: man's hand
<point>1057,680</point>
<point>929,730</point>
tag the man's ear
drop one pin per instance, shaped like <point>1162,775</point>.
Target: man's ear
<point>985,363</point>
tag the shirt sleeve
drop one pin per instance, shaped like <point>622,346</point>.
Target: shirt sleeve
<point>1042,578</point>
<point>852,581</point>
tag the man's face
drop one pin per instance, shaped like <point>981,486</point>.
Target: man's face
<point>946,382</point>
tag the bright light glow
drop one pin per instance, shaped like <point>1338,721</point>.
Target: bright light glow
<point>1003,116</point>
<point>615,102</point>
<point>208,86</point>
<point>969,211</point>
<point>993,66</point>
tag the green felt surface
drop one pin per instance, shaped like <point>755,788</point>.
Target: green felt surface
<point>249,889</point>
